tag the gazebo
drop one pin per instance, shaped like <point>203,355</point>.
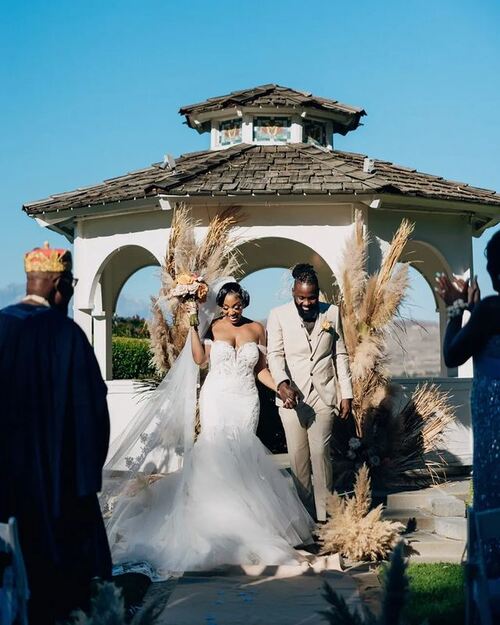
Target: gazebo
<point>271,153</point>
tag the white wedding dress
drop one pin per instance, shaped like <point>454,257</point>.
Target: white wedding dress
<point>229,503</point>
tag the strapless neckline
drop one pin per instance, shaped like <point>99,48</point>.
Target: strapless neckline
<point>236,348</point>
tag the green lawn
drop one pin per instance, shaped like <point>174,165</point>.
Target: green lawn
<point>436,593</point>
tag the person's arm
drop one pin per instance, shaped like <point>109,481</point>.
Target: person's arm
<point>261,370</point>
<point>276,361</point>
<point>461,343</point>
<point>341,358</point>
<point>197,347</point>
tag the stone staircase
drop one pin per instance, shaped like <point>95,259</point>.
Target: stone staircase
<point>435,518</point>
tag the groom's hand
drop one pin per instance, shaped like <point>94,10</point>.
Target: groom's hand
<point>345,408</point>
<point>287,395</point>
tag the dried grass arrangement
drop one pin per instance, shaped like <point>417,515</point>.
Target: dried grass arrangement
<point>392,439</point>
<point>354,529</point>
<point>213,257</point>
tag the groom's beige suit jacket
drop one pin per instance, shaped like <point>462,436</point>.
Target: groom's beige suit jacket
<point>318,360</point>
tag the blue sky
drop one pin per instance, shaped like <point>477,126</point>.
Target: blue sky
<point>90,90</point>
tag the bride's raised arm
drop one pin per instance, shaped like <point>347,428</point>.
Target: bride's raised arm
<point>261,371</point>
<point>198,348</point>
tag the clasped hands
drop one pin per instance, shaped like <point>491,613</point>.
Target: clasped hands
<point>290,399</point>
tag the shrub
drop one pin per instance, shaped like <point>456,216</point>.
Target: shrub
<point>133,327</point>
<point>131,359</point>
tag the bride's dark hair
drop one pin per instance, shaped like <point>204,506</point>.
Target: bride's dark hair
<point>235,289</point>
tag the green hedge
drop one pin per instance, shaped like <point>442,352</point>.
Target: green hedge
<point>131,359</point>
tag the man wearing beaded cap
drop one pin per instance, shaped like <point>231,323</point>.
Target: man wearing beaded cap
<point>54,432</point>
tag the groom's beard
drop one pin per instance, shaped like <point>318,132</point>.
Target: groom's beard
<point>308,315</point>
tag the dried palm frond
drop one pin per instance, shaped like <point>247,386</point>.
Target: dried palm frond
<point>424,419</point>
<point>216,253</point>
<point>391,442</point>
<point>213,257</point>
<point>353,529</point>
<point>106,608</point>
<point>395,584</point>
<point>338,612</point>
<point>395,587</point>
<point>161,339</point>
<point>395,251</point>
<point>391,296</point>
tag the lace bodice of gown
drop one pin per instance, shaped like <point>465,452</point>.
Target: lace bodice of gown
<point>238,362</point>
<point>229,400</point>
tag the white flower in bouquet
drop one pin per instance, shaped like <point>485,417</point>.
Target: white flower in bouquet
<point>192,289</point>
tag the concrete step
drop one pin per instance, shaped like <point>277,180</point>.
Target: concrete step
<point>409,500</point>
<point>447,506</point>
<point>422,519</point>
<point>457,488</point>
<point>439,501</point>
<point>451,527</point>
<point>428,547</point>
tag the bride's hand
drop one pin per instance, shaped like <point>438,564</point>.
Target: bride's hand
<point>192,312</point>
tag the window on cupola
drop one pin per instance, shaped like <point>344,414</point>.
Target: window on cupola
<point>314,132</point>
<point>271,129</point>
<point>230,132</point>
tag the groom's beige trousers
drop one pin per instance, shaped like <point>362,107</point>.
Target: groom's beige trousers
<point>308,431</point>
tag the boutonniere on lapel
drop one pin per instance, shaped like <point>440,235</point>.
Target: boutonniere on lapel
<point>326,326</point>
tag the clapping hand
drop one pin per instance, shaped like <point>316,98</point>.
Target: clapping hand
<point>457,288</point>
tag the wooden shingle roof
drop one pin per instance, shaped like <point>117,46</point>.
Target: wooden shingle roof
<point>292,169</point>
<point>273,95</point>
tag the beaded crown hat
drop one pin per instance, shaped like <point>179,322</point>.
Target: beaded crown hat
<point>47,259</point>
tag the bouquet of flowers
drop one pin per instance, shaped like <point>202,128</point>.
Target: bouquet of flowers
<point>190,289</point>
<point>191,266</point>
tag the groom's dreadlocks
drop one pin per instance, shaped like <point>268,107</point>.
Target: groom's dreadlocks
<point>306,274</point>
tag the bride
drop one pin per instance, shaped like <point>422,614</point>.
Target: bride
<point>229,502</point>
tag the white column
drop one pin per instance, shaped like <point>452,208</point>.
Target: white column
<point>466,370</point>
<point>102,343</point>
<point>102,333</point>
<point>247,129</point>
<point>214,135</point>
<point>296,130</point>
<point>82,307</point>
<point>83,317</point>
<point>443,322</point>
<point>329,135</point>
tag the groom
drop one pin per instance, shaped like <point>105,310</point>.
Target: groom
<point>308,361</point>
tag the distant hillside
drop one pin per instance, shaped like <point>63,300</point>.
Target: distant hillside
<point>415,351</point>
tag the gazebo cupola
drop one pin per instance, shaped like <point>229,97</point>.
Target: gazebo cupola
<point>271,115</point>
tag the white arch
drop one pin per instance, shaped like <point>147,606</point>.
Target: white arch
<point>138,257</point>
<point>265,252</point>
<point>112,273</point>
<point>428,260</point>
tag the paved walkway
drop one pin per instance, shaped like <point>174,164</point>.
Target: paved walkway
<point>285,595</point>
